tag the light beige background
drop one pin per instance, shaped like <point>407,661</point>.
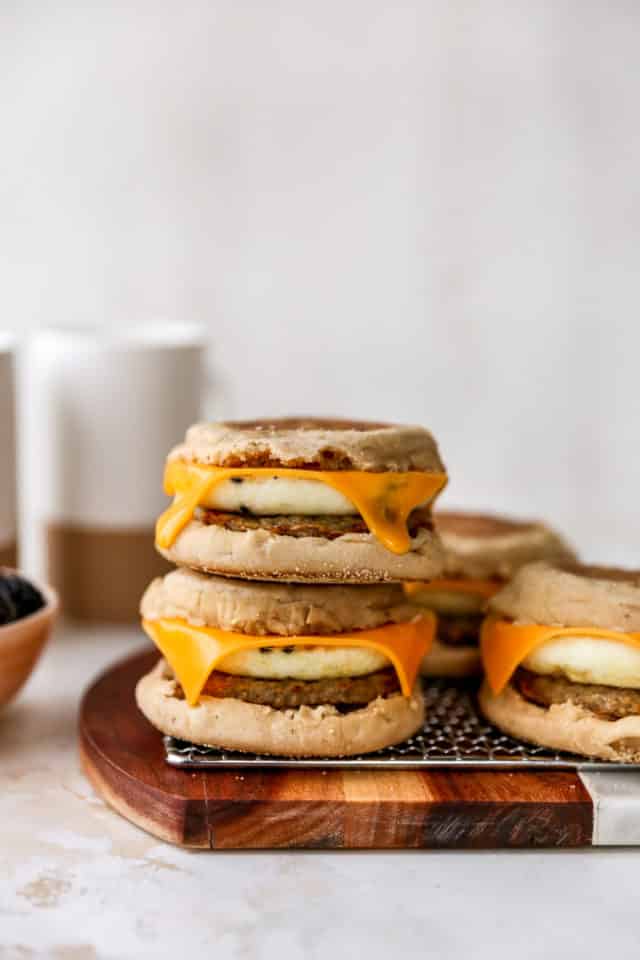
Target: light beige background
<point>8,519</point>
<point>425,211</point>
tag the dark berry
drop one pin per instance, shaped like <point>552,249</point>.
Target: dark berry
<point>8,610</point>
<point>18,598</point>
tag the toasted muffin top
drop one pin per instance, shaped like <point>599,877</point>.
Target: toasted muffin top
<point>484,546</point>
<point>311,443</point>
<point>572,595</point>
<point>279,609</point>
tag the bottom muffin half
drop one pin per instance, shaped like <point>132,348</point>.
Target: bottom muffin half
<point>344,728</point>
<point>577,718</point>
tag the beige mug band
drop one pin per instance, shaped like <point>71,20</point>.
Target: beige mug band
<point>8,555</point>
<point>101,574</point>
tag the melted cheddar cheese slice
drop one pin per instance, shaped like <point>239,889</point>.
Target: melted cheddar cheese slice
<point>504,645</point>
<point>194,652</point>
<point>479,588</point>
<point>384,500</point>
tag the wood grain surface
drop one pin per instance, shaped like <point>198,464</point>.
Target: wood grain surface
<point>123,756</point>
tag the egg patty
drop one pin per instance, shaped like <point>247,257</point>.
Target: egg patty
<point>270,496</point>
<point>587,660</point>
<point>303,663</point>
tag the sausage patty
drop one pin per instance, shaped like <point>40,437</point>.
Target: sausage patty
<point>459,630</point>
<point>609,703</point>
<point>298,526</point>
<point>296,693</point>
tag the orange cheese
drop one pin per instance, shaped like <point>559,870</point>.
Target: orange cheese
<point>504,645</point>
<point>384,500</point>
<point>480,588</point>
<point>194,652</point>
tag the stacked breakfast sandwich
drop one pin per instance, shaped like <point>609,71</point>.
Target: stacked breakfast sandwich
<point>285,629</point>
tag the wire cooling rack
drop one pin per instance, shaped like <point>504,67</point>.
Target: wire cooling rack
<point>454,735</point>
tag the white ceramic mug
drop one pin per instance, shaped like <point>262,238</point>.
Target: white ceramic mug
<point>7,454</point>
<point>99,412</point>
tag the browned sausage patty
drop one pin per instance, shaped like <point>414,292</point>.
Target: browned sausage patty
<point>296,693</point>
<point>298,526</point>
<point>459,630</point>
<point>609,703</point>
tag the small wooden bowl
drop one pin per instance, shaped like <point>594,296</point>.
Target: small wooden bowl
<point>21,642</point>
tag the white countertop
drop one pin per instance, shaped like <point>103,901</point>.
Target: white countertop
<point>77,881</point>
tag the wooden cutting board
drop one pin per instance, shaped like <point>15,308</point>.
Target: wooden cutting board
<point>123,757</point>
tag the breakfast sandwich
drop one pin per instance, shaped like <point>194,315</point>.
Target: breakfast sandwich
<point>561,652</point>
<point>481,553</point>
<point>304,500</point>
<point>288,669</point>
